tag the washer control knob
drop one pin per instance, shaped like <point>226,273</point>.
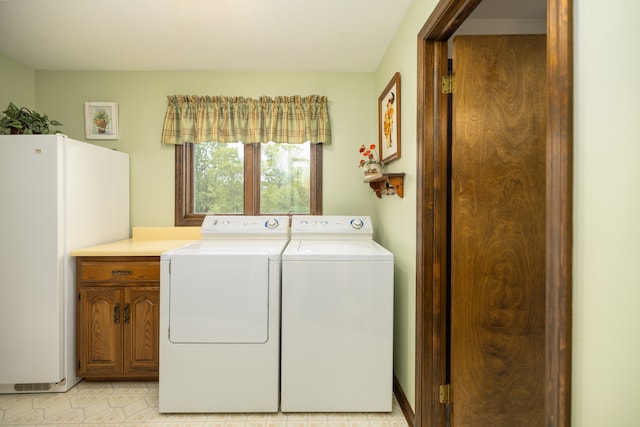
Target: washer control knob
<point>357,223</point>
<point>272,223</point>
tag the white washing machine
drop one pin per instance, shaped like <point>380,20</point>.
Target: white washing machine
<point>220,317</point>
<point>337,318</point>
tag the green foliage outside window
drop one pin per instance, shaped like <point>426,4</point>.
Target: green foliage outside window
<point>219,178</point>
<point>284,178</point>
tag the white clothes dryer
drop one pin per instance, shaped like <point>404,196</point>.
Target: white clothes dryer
<point>337,318</point>
<point>220,317</point>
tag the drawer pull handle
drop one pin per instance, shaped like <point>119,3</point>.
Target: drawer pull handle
<point>116,313</point>
<point>126,313</point>
<point>121,272</point>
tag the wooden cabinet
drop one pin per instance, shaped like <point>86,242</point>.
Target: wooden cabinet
<point>117,317</point>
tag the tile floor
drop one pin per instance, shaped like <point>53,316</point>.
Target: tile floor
<point>136,404</point>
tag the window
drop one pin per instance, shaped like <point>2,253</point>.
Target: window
<point>249,179</point>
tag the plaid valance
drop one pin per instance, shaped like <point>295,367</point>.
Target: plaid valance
<point>281,119</point>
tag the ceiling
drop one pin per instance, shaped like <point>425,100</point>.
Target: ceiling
<point>221,35</point>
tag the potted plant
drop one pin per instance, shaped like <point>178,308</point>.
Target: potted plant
<point>23,121</point>
<point>371,162</point>
<point>101,120</point>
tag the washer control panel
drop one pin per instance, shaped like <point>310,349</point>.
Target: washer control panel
<point>331,227</point>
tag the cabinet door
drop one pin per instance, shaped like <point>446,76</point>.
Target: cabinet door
<point>99,349</point>
<point>141,330</point>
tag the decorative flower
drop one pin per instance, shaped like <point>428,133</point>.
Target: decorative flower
<point>370,155</point>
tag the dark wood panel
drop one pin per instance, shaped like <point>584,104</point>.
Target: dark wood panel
<point>559,211</point>
<point>498,231</point>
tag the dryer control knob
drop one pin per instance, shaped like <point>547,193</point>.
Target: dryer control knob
<point>272,223</point>
<point>357,223</point>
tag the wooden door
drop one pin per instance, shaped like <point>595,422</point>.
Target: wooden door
<point>141,330</point>
<point>99,338</point>
<point>497,365</point>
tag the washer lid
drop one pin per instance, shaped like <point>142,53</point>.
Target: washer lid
<point>342,250</point>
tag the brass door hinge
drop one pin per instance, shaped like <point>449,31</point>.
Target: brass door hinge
<point>446,394</point>
<point>448,83</point>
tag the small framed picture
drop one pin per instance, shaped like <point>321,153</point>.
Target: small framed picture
<point>389,120</point>
<point>101,120</point>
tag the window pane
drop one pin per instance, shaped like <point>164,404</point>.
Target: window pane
<point>285,171</point>
<point>218,178</point>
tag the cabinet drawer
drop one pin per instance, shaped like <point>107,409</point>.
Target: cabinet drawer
<point>113,271</point>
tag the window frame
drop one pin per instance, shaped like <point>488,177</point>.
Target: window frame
<point>184,189</point>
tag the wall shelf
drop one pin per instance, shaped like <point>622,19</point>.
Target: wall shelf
<point>387,183</point>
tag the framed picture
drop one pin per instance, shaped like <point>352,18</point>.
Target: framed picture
<point>389,121</point>
<point>101,120</point>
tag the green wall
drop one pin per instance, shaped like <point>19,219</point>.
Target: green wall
<point>606,262</point>
<point>17,84</point>
<point>395,217</point>
<point>141,97</point>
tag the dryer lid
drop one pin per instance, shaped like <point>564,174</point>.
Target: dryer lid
<point>272,248</point>
<point>219,299</point>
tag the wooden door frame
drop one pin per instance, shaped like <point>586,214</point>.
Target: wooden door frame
<point>431,250</point>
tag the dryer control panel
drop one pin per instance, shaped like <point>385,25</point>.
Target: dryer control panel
<point>221,226</point>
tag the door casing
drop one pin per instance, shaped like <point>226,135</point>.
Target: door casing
<point>432,221</point>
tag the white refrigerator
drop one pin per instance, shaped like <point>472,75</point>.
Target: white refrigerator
<point>57,195</point>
